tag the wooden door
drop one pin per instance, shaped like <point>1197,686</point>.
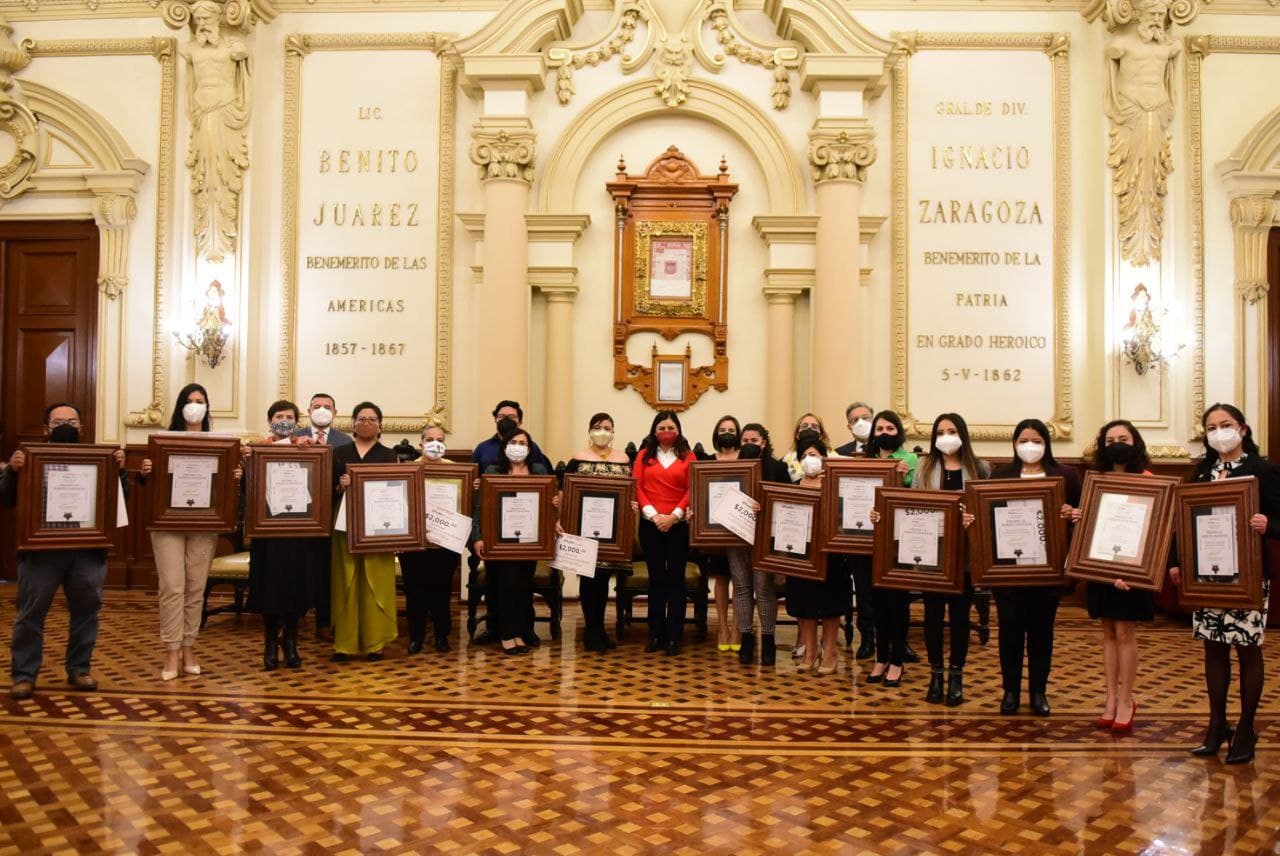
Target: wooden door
<point>48,335</point>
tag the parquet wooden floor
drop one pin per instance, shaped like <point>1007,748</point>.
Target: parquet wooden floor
<point>566,752</point>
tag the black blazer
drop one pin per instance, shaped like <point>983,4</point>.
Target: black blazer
<point>1069,476</point>
<point>347,454</point>
<point>1268,475</point>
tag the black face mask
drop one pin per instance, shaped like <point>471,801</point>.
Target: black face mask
<point>506,425</point>
<point>1118,453</point>
<point>749,452</point>
<point>727,440</point>
<point>64,434</point>
<point>889,442</point>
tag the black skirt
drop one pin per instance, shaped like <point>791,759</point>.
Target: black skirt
<point>828,598</point>
<point>284,574</point>
<point>1107,601</point>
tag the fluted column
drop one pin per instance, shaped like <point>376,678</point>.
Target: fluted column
<point>780,367</point>
<point>840,150</point>
<point>503,148</point>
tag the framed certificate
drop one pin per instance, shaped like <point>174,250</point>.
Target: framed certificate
<point>1221,557</point>
<point>288,492</point>
<point>1018,536</point>
<point>1125,529</point>
<point>195,486</point>
<point>67,500</point>
<point>848,495</point>
<point>449,486</point>
<point>671,267</point>
<point>787,532</point>
<point>599,507</point>
<point>518,517</point>
<point>708,482</point>
<point>919,541</point>
<point>385,509</point>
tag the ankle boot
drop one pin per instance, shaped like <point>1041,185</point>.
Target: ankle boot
<point>747,651</point>
<point>270,643</point>
<point>934,695</point>
<point>291,657</point>
<point>768,650</point>
<point>955,687</point>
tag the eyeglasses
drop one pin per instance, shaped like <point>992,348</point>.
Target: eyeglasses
<point>367,420</point>
<point>74,423</point>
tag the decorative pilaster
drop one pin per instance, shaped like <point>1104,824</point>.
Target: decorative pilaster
<point>841,150</point>
<point>559,381</point>
<point>113,213</point>
<point>1252,218</point>
<point>780,292</point>
<point>504,149</point>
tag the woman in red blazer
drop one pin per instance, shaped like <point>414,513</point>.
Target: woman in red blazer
<point>661,472</point>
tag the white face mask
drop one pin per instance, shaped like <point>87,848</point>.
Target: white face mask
<point>433,449</point>
<point>861,429</point>
<point>1224,440</point>
<point>948,444</point>
<point>517,453</point>
<point>322,417</point>
<point>193,412</point>
<point>1030,453</point>
<point>810,466</point>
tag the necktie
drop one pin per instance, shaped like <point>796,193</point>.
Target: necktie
<point>320,437</point>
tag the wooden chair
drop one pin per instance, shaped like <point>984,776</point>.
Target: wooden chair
<point>635,583</point>
<point>548,584</point>
<point>233,570</point>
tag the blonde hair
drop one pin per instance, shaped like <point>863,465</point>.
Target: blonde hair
<point>822,430</point>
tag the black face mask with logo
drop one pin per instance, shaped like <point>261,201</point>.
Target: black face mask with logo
<point>64,434</point>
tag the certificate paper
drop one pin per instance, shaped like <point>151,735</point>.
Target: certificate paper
<point>386,508</point>
<point>340,519</point>
<point>71,491</point>
<point>1121,528</point>
<point>1216,557</point>
<point>917,533</point>
<point>597,517</point>
<point>671,381</point>
<point>671,268</point>
<point>192,480</point>
<point>447,528</point>
<point>576,555</point>
<point>519,517</point>
<point>287,489</point>
<point>791,527</point>
<point>857,498</point>
<point>734,510</point>
<point>442,493</point>
<point>1019,531</point>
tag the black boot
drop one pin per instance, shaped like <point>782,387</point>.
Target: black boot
<point>955,687</point>
<point>291,657</point>
<point>747,651</point>
<point>768,650</point>
<point>867,648</point>
<point>1009,704</point>
<point>270,643</point>
<point>934,695</point>
<point>442,643</point>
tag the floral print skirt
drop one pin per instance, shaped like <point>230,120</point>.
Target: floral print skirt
<point>1233,626</point>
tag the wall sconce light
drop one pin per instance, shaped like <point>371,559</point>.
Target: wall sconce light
<point>1141,339</point>
<point>207,335</point>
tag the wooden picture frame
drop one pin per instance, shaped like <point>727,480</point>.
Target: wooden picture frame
<point>991,502</point>
<point>55,462</point>
<point>1111,505</point>
<point>191,453</point>
<point>448,477</point>
<point>315,518</point>
<point>586,493</point>
<point>777,556</point>
<point>396,531</point>
<point>494,491</point>
<point>945,573</point>
<point>703,476</point>
<point>834,536</point>
<point>1215,590</point>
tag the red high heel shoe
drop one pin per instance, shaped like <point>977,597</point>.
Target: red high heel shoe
<point>1104,723</point>
<point>1119,727</point>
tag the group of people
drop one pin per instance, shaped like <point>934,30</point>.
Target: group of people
<point>354,596</point>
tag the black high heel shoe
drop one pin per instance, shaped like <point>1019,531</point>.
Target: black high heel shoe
<point>1213,740</point>
<point>1242,748</point>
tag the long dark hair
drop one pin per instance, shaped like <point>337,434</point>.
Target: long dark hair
<point>176,422</point>
<point>870,448</point>
<point>504,463</point>
<point>968,461</point>
<point>766,451</point>
<point>650,444</point>
<point>1140,461</point>
<point>1043,430</point>
<point>1246,439</point>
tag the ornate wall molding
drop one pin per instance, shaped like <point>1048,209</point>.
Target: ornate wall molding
<point>1252,218</point>
<point>1055,47</point>
<point>297,47</point>
<point>503,148</point>
<point>841,149</point>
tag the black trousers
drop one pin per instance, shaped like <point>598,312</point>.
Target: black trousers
<point>428,584</point>
<point>892,612</point>
<point>665,554</point>
<point>593,594</point>
<point>1026,614</point>
<point>936,608</point>
<point>322,584</point>
<point>511,588</point>
<point>860,567</point>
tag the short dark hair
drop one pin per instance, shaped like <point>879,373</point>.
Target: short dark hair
<point>176,422</point>
<point>48,411</point>
<point>322,395</point>
<point>280,407</point>
<point>506,402</point>
<point>597,419</point>
<point>366,405</point>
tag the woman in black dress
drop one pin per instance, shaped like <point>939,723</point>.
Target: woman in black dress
<point>282,571</point>
<point>428,574</point>
<point>1232,453</point>
<point>1027,613</point>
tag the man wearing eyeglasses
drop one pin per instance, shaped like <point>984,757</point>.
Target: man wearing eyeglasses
<point>80,573</point>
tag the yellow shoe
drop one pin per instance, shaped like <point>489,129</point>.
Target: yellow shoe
<point>735,647</point>
<point>723,648</point>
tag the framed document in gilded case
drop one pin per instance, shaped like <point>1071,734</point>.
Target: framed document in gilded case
<point>288,492</point>
<point>67,497</point>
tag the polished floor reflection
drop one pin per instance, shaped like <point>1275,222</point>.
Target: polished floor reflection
<point>566,752</point>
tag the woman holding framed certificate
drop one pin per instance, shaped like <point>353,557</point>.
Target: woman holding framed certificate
<point>891,605</point>
<point>726,439</point>
<point>363,585</point>
<point>1026,613</point>
<point>809,422</point>
<point>1230,452</point>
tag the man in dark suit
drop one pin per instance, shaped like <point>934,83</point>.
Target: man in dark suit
<point>320,414</point>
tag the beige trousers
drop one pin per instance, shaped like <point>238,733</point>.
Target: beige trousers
<point>182,566</point>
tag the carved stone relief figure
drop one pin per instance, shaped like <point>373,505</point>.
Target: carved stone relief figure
<point>19,139</point>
